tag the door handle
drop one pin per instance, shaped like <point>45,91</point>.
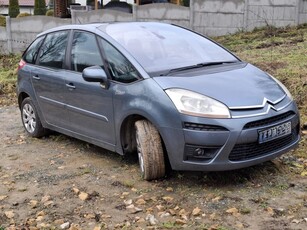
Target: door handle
<point>36,77</point>
<point>71,86</point>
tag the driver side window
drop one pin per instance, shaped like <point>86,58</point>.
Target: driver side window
<point>85,51</point>
<point>119,67</point>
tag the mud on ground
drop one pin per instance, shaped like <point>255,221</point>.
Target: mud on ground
<point>59,182</point>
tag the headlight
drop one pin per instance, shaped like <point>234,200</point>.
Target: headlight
<point>195,104</point>
<point>284,88</point>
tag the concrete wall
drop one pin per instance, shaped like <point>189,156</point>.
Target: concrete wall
<point>272,12</point>
<point>169,13</point>
<point>81,17</point>
<point>23,31</point>
<point>214,18</point>
<point>302,12</point>
<point>209,17</point>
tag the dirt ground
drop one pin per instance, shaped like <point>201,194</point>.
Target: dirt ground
<point>59,182</point>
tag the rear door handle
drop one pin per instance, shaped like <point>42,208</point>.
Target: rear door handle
<point>36,77</point>
<point>71,86</point>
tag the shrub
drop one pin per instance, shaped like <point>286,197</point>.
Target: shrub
<point>13,8</point>
<point>49,13</point>
<point>40,7</point>
<point>23,15</point>
<point>2,21</point>
<point>185,2</point>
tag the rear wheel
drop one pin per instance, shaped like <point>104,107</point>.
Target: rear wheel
<point>150,150</point>
<point>30,119</point>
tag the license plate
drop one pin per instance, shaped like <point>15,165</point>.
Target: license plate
<point>274,132</point>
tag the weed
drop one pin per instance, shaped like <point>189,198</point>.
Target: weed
<point>2,228</point>
<point>245,211</point>
<point>168,225</point>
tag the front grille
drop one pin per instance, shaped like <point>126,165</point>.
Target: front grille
<point>202,127</point>
<point>251,150</point>
<point>268,121</point>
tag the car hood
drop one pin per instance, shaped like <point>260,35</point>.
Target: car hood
<point>236,87</point>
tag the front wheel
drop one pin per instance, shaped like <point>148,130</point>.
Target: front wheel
<point>150,150</point>
<point>30,119</point>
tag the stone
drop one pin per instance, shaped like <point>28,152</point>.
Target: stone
<point>2,197</point>
<point>196,211</point>
<point>232,210</point>
<point>59,221</point>
<point>151,219</point>
<point>140,202</point>
<point>33,203</point>
<point>9,214</point>
<point>128,202</point>
<point>65,225</point>
<point>180,221</point>
<point>164,214</point>
<point>168,199</point>
<point>75,190</point>
<point>83,196</point>
<point>41,213</point>
<point>45,199</point>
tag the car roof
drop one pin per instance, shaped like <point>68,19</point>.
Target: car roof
<point>88,27</point>
<point>94,26</point>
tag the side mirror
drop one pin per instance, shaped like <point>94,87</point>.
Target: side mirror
<point>95,74</point>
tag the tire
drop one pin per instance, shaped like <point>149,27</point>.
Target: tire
<point>30,119</point>
<point>150,150</point>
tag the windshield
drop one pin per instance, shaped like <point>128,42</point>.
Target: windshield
<point>160,47</point>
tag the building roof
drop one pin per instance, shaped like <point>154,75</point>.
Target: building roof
<point>21,2</point>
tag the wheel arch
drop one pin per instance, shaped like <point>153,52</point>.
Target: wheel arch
<point>21,97</point>
<point>127,133</point>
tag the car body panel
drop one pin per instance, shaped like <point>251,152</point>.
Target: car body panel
<point>226,86</point>
<point>48,85</point>
<point>90,108</point>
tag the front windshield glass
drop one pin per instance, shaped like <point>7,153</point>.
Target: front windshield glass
<point>162,47</point>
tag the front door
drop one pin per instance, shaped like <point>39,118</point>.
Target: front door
<point>90,106</point>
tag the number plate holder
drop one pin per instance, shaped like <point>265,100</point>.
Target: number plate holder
<point>274,132</point>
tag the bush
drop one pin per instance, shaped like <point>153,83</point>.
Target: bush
<point>185,2</point>
<point>13,8</point>
<point>40,7</point>
<point>49,13</point>
<point>2,21</point>
<point>23,15</point>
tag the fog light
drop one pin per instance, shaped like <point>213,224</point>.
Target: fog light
<point>200,152</point>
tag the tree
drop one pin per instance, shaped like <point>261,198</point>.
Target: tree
<point>60,8</point>
<point>13,8</point>
<point>40,7</point>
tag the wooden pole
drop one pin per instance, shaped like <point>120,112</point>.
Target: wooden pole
<point>96,4</point>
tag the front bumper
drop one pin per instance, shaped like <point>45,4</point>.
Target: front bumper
<point>226,144</point>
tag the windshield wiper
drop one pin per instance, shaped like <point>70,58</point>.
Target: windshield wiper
<point>199,65</point>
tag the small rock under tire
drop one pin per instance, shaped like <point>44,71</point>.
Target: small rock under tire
<point>150,150</point>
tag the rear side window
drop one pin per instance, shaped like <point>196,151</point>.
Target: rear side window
<point>85,51</point>
<point>31,53</point>
<point>52,53</point>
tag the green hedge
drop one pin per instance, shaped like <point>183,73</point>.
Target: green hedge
<point>13,8</point>
<point>40,7</point>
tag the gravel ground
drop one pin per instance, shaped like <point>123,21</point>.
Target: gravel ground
<point>59,182</point>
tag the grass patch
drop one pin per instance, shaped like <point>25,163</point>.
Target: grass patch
<point>8,78</point>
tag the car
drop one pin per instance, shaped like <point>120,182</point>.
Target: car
<point>162,92</point>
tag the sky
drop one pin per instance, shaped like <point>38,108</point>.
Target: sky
<point>83,2</point>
